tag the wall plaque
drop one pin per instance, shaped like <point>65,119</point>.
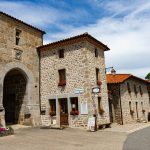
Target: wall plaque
<point>84,108</point>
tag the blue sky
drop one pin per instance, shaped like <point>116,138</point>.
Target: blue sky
<point>123,25</point>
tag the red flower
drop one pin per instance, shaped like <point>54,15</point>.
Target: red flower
<point>62,83</point>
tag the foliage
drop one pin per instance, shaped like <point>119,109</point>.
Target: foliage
<point>147,76</point>
<point>6,131</point>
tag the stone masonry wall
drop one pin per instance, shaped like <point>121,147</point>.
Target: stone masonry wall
<point>115,100</point>
<point>126,98</point>
<point>29,39</point>
<point>80,64</point>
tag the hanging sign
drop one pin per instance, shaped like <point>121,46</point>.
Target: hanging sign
<point>96,90</point>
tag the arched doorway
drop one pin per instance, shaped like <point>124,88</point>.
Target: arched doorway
<point>14,89</point>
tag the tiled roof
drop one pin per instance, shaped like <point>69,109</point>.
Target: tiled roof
<point>119,78</point>
<point>21,21</point>
<point>75,39</point>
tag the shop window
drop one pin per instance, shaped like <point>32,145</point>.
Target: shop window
<point>62,77</point>
<point>52,103</point>
<point>74,106</point>
<point>128,88</point>
<point>100,106</point>
<point>18,32</point>
<point>61,53</point>
<point>96,52</point>
<point>97,77</point>
<point>140,89</point>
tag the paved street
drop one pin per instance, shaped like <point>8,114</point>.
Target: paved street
<point>67,139</point>
<point>139,140</point>
<point>116,138</point>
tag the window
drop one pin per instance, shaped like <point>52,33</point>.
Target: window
<point>96,52</point>
<point>135,90</point>
<point>61,53</point>
<point>128,87</point>
<point>100,107</point>
<point>18,32</point>
<point>131,109</point>
<point>74,106</point>
<point>97,77</point>
<point>130,106</point>
<point>62,77</point>
<point>52,103</point>
<point>141,92</point>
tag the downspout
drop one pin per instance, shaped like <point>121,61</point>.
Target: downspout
<point>39,79</point>
<point>120,105</point>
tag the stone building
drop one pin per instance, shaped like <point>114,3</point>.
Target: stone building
<point>69,69</point>
<point>19,71</point>
<point>128,98</point>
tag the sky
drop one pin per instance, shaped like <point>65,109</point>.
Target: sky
<point>123,25</point>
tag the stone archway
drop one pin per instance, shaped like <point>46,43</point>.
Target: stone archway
<point>14,95</point>
<point>28,103</point>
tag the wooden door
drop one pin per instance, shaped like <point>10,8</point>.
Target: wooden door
<point>63,111</point>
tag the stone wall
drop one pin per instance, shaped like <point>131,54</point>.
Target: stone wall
<point>28,60</point>
<point>115,103</point>
<point>126,98</point>
<point>80,64</point>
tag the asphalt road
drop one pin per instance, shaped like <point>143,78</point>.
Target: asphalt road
<point>139,140</point>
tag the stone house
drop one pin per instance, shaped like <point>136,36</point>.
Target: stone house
<point>19,71</point>
<point>128,98</point>
<point>148,88</point>
<point>69,69</point>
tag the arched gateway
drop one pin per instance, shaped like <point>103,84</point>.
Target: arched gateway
<point>14,95</point>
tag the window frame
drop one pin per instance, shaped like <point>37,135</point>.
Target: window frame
<point>62,78</point>
<point>17,36</point>
<point>61,53</point>
<point>96,52</point>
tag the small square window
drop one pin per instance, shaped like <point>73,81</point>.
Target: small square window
<point>61,53</point>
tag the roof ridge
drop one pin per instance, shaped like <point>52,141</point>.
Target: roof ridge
<point>84,35</point>
<point>3,13</point>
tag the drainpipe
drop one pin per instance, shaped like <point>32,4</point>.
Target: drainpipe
<point>39,55</point>
<point>120,105</point>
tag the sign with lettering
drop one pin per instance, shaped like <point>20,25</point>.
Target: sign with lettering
<point>91,123</point>
<point>96,90</point>
<point>84,108</point>
<point>79,91</point>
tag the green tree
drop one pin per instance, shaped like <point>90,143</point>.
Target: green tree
<point>147,76</point>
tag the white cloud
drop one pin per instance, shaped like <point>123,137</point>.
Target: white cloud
<point>127,37</point>
<point>126,31</point>
<point>39,15</point>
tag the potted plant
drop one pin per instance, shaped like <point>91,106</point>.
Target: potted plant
<point>99,82</point>
<point>62,83</point>
<point>101,110</point>
<point>74,112</point>
<point>52,113</point>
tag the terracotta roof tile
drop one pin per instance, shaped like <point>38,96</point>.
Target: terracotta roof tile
<point>74,39</point>
<point>118,78</point>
